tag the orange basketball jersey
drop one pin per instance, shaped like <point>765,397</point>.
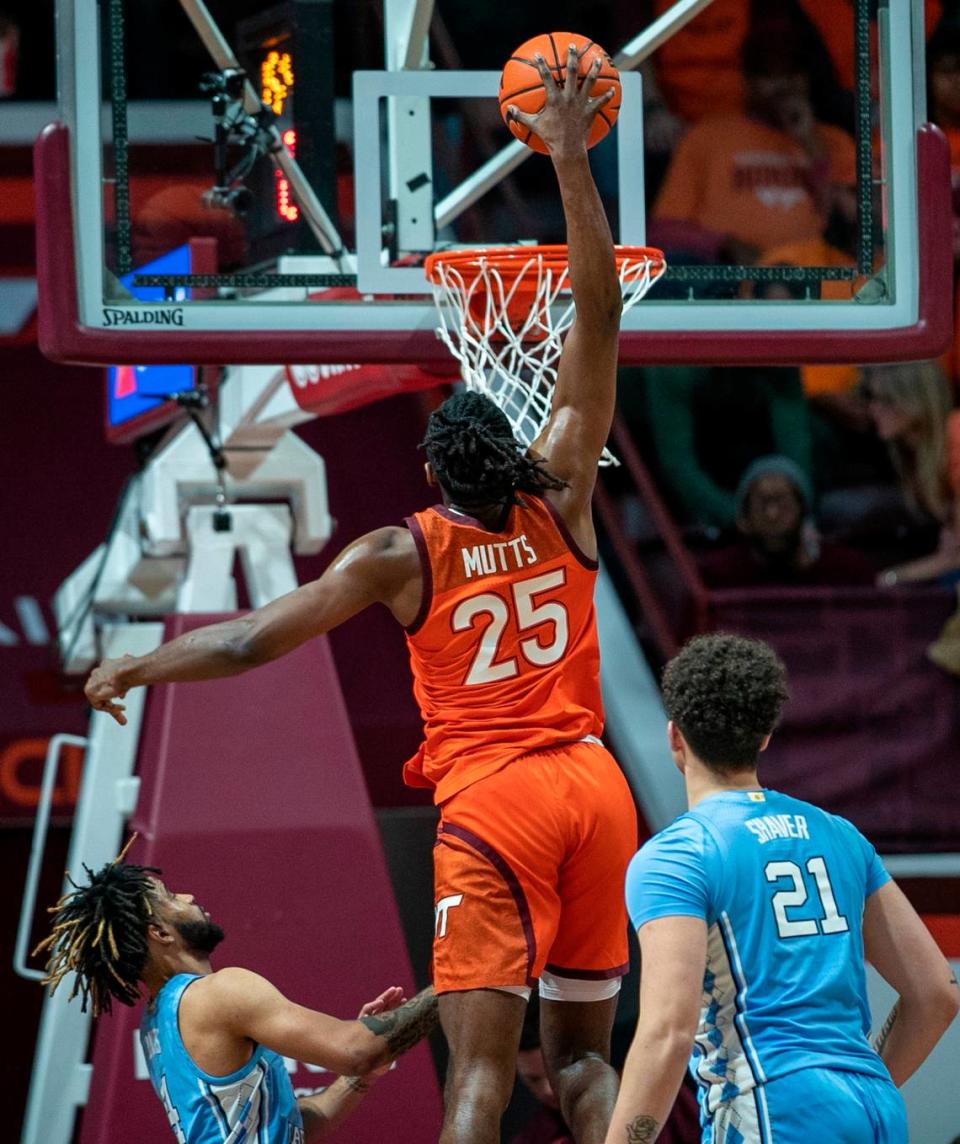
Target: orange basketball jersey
<point>504,649</point>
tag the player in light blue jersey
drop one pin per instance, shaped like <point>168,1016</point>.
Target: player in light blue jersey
<point>214,1041</point>
<point>754,911</point>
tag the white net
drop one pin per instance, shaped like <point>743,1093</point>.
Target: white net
<point>504,312</point>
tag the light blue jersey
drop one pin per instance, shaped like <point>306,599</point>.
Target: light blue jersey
<point>781,886</point>
<point>254,1105</point>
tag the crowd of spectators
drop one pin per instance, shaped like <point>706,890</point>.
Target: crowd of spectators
<point>807,477</point>
<point>827,475</point>
<point>762,176</point>
<point>749,119</point>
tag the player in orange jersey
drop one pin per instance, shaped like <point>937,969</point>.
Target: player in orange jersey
<point>495,590</point>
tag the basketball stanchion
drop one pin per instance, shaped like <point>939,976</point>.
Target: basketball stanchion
<point>503,315</point>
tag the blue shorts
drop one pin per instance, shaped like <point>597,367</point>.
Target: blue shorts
<point>812,1104</point>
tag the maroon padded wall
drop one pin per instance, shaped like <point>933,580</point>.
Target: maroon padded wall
<point>374,478</point>
<point>61,483</point>
<point>872,729</point>
<point>253,799</point>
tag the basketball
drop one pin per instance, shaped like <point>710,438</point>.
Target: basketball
<point>520,82</point>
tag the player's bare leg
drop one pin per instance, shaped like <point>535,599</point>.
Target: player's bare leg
<point>575,1036</point>
<point>482,1027</point>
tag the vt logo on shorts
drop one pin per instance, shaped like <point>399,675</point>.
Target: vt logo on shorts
<point>440,913</point>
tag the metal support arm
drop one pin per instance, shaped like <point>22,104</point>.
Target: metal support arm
<point>508,158</point>
<point>317,218</point>
<point>406,32</point>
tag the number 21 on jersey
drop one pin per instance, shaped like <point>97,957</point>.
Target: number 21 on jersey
<point>546,622</point>
<point>832,921</point>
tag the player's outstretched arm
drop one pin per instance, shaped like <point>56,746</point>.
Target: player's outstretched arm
<point>901,949</point>
<point>583,399</point>
<point>378,568</point>
<point>673,954</point>
<point>249,1006</point>
<point>323,1112</point>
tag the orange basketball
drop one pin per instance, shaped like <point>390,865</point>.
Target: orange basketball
<point>520,82</point>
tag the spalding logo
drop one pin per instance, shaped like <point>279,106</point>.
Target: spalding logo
<point>113,316</point>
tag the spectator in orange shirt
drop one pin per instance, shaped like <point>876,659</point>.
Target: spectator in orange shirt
<point>698,69</point>
<point>833,21</point>
<point>746,182</point>
<point>834,385</point>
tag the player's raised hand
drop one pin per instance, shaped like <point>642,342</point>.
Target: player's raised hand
<point>564,121</point>
<point>388,999</point>
<point>103,689</point>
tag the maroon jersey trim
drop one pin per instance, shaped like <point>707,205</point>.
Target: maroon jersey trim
<point>466,521</point>
<point>426,571</point>
<point>589,974</point>
<point>587,561</point>
<point>506,872</point>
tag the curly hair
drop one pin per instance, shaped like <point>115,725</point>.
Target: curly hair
<point>100,934</point>
<point>477,459</point>
<point>725,694</point>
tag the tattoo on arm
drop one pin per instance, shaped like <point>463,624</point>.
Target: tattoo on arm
<point>880,1043</point>
<point>642,1130</point>
<point>402,1028</point>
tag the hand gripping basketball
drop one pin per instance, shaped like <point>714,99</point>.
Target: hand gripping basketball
<point>567,118</point>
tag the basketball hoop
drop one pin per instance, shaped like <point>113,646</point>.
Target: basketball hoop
<point>503,314</point>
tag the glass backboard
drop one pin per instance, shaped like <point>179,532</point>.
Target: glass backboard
<point>324,204</point>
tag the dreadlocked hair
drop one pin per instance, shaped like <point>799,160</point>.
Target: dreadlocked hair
<point>477,459</point>
<point>100,934</point>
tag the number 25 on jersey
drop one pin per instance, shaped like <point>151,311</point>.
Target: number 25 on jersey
<point>546,622</point>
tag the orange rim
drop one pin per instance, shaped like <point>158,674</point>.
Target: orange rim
<point>509,261</point>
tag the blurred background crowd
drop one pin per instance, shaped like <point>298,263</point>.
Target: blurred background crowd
<point>750,159</point>
<point>815,506</point>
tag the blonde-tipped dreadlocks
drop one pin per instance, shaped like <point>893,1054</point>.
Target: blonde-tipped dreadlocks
<point>100,934</point>
<point>475,456</point>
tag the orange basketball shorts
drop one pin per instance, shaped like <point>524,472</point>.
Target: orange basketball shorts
<point>529,867</point>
